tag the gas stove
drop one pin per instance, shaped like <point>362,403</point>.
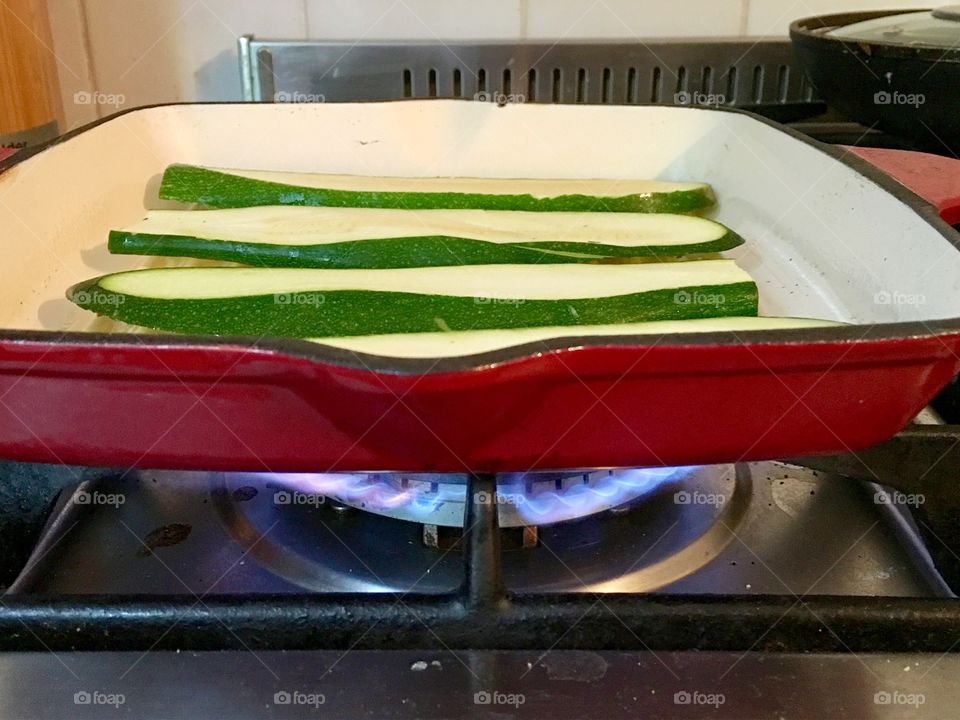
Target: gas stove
<point>726,590</point>
<point>717,530</point>
<point>796,588</point>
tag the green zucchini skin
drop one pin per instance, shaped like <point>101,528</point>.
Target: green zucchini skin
<point>344,313</point>
<point>192,184</point>
<point>427,251</point>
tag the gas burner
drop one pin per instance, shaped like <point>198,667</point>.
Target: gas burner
<point>717,529</point>
<point>614,530</point>
<point>523,499</point>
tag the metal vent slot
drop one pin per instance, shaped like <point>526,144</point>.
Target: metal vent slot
<point>261,80</point>
<point>706,79</point>
<point>457,83</point>
<point>783,84</point>
<point>758,84</point>
<point>731,95</point>
<point>752,75</point>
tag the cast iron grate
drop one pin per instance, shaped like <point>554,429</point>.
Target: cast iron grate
<point>481,614</point>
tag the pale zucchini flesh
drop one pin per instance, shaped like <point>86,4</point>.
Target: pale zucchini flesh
<point>458,344</point>
<point>322,303</point>
<point>530,282</point>
<point>222,188</point>
<point>387,238</point>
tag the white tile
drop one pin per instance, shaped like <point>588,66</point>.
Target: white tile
<point>773,17</point>
<point>68,29</point>
<point>629,19</point>
<point>414,19</point>
<point>151,51</point>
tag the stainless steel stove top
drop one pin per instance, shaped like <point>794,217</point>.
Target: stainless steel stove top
<point>436,684</point>
<point>759,528</point>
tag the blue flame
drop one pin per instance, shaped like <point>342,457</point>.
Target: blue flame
<point>619,487</point>
<point>375,492</point>
<point>363,490</point>
<point>385,493</point>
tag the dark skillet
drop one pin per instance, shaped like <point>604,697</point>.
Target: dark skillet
<point>909,91</point>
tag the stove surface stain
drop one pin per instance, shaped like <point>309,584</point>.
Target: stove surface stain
<point>579,665</point>
<point>247,492</point>
<point>164,536</point>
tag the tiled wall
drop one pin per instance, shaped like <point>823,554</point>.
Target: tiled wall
<point>133,52</point>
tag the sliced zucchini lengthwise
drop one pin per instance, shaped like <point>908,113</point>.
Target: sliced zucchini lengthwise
<point>457,344</point>
<point>324,303</point>
<point>386,238</point>
<point>247,188</point>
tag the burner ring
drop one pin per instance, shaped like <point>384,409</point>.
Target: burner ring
<point>648,546</point>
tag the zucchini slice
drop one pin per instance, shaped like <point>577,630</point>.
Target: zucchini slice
<point>333,237</point>
<point>246,188</point>
<point>456,344</point>
<point>325,303</point>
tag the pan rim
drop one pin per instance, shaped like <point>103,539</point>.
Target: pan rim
<point>806,30</point>
<point>863,334</point>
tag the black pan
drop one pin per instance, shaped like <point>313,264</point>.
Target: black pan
<point>910,92</point>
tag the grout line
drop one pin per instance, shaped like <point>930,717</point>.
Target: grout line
<point>88,51</point>
<point>524,8</point>
<point>305,12</point>
<point>744,17</point>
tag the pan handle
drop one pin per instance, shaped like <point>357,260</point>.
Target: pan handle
<point>934,178</point>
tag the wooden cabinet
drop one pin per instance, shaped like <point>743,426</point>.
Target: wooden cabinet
<point>30,106</point>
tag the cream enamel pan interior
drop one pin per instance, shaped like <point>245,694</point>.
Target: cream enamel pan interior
<point>822,239</point>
